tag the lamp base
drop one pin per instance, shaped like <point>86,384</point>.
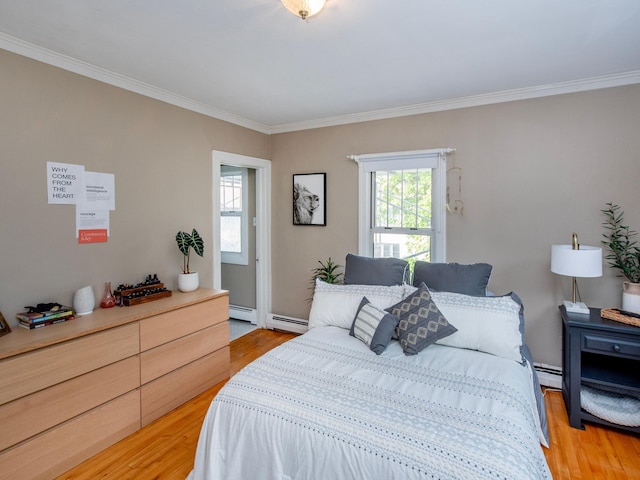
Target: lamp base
<point>578,307</point>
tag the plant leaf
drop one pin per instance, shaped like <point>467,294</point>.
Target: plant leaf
<point>184,240</point>
<point>197,243</point>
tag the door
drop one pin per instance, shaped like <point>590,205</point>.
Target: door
<point>259,169</point>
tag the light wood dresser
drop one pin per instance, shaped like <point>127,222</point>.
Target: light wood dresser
<point>70,390</point>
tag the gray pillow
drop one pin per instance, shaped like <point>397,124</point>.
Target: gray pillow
<point>420,321</point>
<point>373,271</point>
<point>373,326</point>
<point>453,277</point>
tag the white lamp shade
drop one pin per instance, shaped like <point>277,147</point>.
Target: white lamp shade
<point>584,262</point>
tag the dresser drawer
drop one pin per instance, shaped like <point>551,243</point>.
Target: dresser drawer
<point>172,390</point>
<point>169,356</point>
<point>57,450</point>
<point>30,372</point>
<point>178,323</point>
<point>52,406</point>
<point>610,345</point>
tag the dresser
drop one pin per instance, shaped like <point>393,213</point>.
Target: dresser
<point>70,390</point>
<point>600,353</point>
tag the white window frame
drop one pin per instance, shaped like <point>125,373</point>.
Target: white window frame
<point>241,258</point>
<point>433,158</point>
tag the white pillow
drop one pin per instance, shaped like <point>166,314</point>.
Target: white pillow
<point>337,305</point>
<point>486,324</point>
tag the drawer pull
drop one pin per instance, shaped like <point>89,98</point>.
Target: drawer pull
<point>616,347</point>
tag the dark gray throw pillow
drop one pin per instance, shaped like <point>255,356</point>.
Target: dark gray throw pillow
<point>453,277</point>
<point>373,271</point>
<point>420,321</point>
<point>373,326</point>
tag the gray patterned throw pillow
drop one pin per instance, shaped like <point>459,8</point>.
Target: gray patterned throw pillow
<point>373,326</point>
<point>420,321</point>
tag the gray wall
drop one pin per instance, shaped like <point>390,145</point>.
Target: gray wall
<point>533,172</point>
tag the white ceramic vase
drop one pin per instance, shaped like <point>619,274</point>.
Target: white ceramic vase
<point>188,282</point>
<point>84,301</point>
<point>631,297</point>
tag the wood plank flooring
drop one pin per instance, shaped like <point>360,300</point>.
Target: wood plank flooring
<point>165,449</point>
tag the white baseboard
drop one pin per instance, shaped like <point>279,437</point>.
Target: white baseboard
<point>288,324</point>
<point>243,313</point>
<point>549,375</point>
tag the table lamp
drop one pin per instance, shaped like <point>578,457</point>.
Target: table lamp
<point>576,260</point>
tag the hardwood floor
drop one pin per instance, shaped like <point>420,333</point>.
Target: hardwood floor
<point>165,449</point>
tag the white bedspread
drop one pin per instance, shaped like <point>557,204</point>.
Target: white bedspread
<point>323,406</point>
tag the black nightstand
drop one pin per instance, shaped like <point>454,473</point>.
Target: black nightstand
<point>598,352</point>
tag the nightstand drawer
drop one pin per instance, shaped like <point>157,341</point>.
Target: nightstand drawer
<point>611,345</point>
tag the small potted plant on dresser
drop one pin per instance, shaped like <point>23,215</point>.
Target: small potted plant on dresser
<point>624,256</point>
<point>189,281</point>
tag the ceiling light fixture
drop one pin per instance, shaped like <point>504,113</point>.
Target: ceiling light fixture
<point>303,8</point>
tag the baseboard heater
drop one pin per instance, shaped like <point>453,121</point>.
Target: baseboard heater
<point>288,324</point>
<point>243,313</point>
<point>549,375</point>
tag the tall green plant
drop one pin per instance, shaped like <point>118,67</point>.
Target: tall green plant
<point>620,240</point>
<point>327,272</point>
<point>186,242</point>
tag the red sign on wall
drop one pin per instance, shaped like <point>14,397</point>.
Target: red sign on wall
<point>92,236</point>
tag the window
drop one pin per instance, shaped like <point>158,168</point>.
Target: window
<point>233,215</point>
<point>402,205</point>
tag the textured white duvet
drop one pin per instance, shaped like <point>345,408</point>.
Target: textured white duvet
<point>323,406</point>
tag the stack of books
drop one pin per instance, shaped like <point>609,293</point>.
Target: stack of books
<point>33,320</point>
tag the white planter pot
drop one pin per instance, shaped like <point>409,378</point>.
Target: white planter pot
<point>188,282</point>
<point>84,301</point>
<point>631,297</point>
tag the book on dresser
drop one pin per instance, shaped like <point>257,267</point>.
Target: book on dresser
<point>45,323</point>
<point>32,319</point>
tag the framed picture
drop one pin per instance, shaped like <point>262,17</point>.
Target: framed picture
<point>4,326</point>
<point>310,199</point>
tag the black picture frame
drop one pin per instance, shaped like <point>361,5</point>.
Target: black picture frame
<point>310,199</point>
<point>4,326</point>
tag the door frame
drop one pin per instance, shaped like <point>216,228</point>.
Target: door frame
<point>263,226</point>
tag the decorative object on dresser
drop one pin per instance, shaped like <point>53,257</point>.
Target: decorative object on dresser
<point>4,326</point>
<point>624,256</point>
<point>576,260</point>
<point>84,301</point>
<point>44,314</point>
<point>189,281</point>
<point>151,289</point>
<point>600,381</point>
<point>108,300</point>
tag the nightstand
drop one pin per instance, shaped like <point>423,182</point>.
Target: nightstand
<point>599,352</point>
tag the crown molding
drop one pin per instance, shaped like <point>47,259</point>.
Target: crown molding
<point>35,52</point>
<point>30,50</point>
<point>595,83</point>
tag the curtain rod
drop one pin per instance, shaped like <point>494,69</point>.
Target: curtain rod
<point>441,151</point>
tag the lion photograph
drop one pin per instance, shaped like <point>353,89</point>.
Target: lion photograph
<point>307,205</point>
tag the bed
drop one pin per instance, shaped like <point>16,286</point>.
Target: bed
<point>327,405</point>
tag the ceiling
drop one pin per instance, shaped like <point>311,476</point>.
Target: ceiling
<point>253,63</point>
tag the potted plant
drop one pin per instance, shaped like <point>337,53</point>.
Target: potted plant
<point>624,255</point>
<point>189,281</point>
<point>325,272</point>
